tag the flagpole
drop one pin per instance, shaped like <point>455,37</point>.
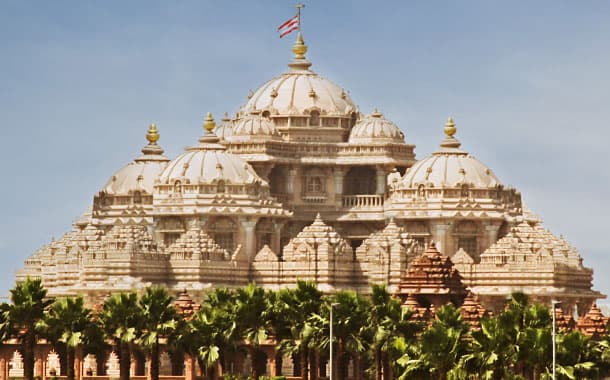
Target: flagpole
<point>299,6</point>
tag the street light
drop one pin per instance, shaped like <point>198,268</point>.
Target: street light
<point>554,303</point>
<point>332,306</point>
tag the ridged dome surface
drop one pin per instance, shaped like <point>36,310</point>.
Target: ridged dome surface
<point>450,167</point>
<point>225,129</point>
<point>375,128</point>
<point>209,163</point>
<point>141,173</point>
<point>300,90</point>
<point>253,127</point>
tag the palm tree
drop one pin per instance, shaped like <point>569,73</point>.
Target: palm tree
<point>157,318</point>
<point>441,347</point>
<point>350,324</point>
<point>576,356</point>
<point>119,320</point>
<point>292,309</point>
<point>28,303</point>
<point>253,322</point>
<point>387,322</point>
<point>67,321</point>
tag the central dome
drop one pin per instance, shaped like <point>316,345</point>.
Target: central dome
<point>299,91</point>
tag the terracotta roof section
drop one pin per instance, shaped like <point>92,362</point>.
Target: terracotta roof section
<point>593,323</point>
<point>432,274</point>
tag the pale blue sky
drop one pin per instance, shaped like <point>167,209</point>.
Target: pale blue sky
<point>528,85</point>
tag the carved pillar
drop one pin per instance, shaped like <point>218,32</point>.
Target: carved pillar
<point>3,367</point>
<point>250,238</point>
<point>189,367</point>
<point>381,180</point>
<point>290,185</point>
<point>492,234</point>
<point>339,176</point>
<point>275,239</point>
<point>39,364</point>
<point>439,233</point>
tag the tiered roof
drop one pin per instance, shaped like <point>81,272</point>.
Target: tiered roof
<point>312,237</point>
<point>593,323</point>
<point>185,305</point>
<point>431,276</point>
<point>472,311</point>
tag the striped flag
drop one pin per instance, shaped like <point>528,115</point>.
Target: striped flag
<point>289,26</point>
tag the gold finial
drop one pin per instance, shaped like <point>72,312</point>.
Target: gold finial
<point>153,134</point>
<point>209,123</point>
<point>450,127</point>
<point>299,48</point>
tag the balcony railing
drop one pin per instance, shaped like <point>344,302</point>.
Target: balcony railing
<point>362,201</point>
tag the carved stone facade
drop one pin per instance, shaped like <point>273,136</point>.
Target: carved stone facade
<point>299,184</point>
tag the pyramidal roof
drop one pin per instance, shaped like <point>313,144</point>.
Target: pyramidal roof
<point>431,273</point>
<point>531,240</point>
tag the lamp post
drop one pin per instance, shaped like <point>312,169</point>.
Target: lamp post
<point>554,304</point>
<point>330,344</point>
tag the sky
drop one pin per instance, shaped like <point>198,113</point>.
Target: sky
<point>528,84</point>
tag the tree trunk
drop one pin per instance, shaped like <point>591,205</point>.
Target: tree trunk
<point>340,372</point>
<point>378,370</point>
<point>154,361</point>
<point>124,361</point>
<point>313,365</point>
<point>387,367</point>
<point>304,372</point>
<point>69,363</point>
<point>29,344</point>
<point>252,352</point>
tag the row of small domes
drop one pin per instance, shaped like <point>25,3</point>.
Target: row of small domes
<point>255,127</point>
<point>209,162</point>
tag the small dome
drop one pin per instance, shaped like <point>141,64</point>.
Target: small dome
<point>450,167</point>
<point>375,128</point>
<point>300,90</point>
<point>225,129</point>
<point>208,163</point>
<point>141,173</point>
<point>254,127</point>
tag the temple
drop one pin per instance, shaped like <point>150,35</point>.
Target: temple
<point>301,184</point>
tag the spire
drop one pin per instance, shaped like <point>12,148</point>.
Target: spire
<point>209,140</point>
<point>450,143</point>
<point>299,48</point>
<point>152,148</point>
<point>209,124</point>
<point>153,134</point>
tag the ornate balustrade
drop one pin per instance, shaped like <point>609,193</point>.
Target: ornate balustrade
<point>362,201</point>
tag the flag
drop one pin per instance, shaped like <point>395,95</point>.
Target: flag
<point>289,26</point>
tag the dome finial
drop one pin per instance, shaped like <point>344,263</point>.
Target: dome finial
<point>153,134</point>
<point>299,48</point>
<point>450,127</point>
<point>209,123</point>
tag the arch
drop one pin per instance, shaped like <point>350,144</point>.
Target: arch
<point>90,365</point>
<point>277,180</point>
<point>53,364</point>
<point>15,365</point>
<point>137,197</point>
<point>165,364</point>
<point>314,118</point>
<point>178,187</point>
<point>264,233</point>
<point>314,182</point>
<point>466,237</point>
<point>266,114</point>
<point>360,180</point>
<point>220,187</point>
<point>223,230</point>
